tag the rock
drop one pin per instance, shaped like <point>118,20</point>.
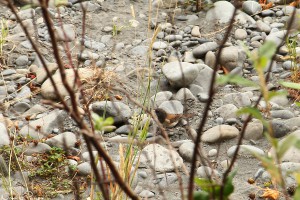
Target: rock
<point>184,94</point>
<point>226,111</point>
<point>139,51</point>
<point>280,100</point>
<point>41,74</point>
<point>251,7</point>
<point>180,74</point>
<point>240,34</point>
<point>24,14</point>
<point>84,169</point>
<point>36,148</point>
<point>146,194</point>
<point>186,151</point>
<point>210,59</point>
<point>65,33</point>
<point>189,57</point>
<point>48,91</point>
<point>159,45</point>
<point>207,172</point>
<point>279,128</point>
<point>172,38</point>
<point>22,60</point>
<point>64,140</point>
<point>53,120</point>
<point>160,97</point>
<point>4,135</point>
<point>245,150</point>
<point>263,27</point>
<point>202,49</point>
<point>232,57</point>
<point>196,32</point>
<point>94,45</point>
<point>292,154</point>
<point>167,179</point>
<point>276,37</point>
<point>34,110</point>
<point>203,97</point>
<point>21,107</point>
<point>282,114</point>
<point>221,11</point>
<point>293,122</point>
<point>204,77</point>
<point>219,133</point>
<point>125,129</point>
<point>254,130</point>
<point>118,110</point>
<point>281,2</point>
<point>213,153</point>
<point>159,158</point>
<point>238,99</point>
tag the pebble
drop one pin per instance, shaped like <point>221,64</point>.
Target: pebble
<point>254,130</point>
<point>219,133</point>
<point>4,135</point>
<point>207,172</point>
<point>22,60</point>
<point>184,94</point>
<point>186,151</point>
<point>146,194</point>
<point>64,140</point>
<point>226,111</point>
<point>251,7</point>
<point>202,49</point>
<point>212,152</point>
<point>159,45</point>
<point>240,34</point>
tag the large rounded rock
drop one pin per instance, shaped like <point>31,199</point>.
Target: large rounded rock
<point>204,77</point>
<point>227,111</point>
<point>160,159</point>
<point>221,12</point>
<point>219,133</point>
<point>65,140</point>
<point>232,57</point>
<point>118,110</point>
<point>180,74</point>
<point>4,135</point>
<point>48,91</point>
<point>251,7</point>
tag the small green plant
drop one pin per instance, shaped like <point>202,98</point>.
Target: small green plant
<point>211,189</point>
<point>50,163</point>
<point>3,36</point>
<point>117,27</point>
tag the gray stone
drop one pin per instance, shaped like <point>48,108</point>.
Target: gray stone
<point>210,59</point>
<point>41,74</point>
<point>53,120</point>
<point>207,172</point>
<point>36,148</point>
<point>202,49</point>
<point>34,110</point>
<point>196,31</point>
<point>232,57</point>
<point>282,114</point>
<point>160,97</point>
<point>125,129</point>
<point>97,46</point>
<point>139,51</point>
<point>238,99</point>
<point>184,95</point>
<point>21,107</point>
<point>254,130</point>
<point>146,194</point>
<point>84,169</point>
<point>221,12</point>
<point>64,140</point>
<point>22,60</point>
<point>204,77</point>
<point>47,90</point>
<point>24,93</point>
<point>118,110</point>
<point>251,7</point>
<point>240,34</point>
<point>159,158</point>
<point>4,135</point>
<point>276,37</point>
<point>8,72</point>
<point>106,39</point>
<point>24,14</point>
<point>65,33</point>
<point>280,100</point>
<point>172,38</point>
<point>180,74</point>
<point>189,57</point>
<point>159,45</point>
<point>219,133</point>
<point>212,153</point>
<point>245,150</point>
<point>226,111</point>
<point>186,151</point>
<point>279,128</point>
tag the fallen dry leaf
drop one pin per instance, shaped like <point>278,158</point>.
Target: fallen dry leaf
<point>270,194</point>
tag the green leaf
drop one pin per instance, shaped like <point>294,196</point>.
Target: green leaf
<point>201,195</point>
<point>267,50</point>
<point>229,188</point>
<point>297,104</point>
<point>287,143</point>
<point>272,94</point>
<point>297,193</point>
<point>108,121</point>
<point>297,144</point>
<point>236,79</point>
<point>204,184</point>
<point>290,85</point>
<point>251,111</point>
